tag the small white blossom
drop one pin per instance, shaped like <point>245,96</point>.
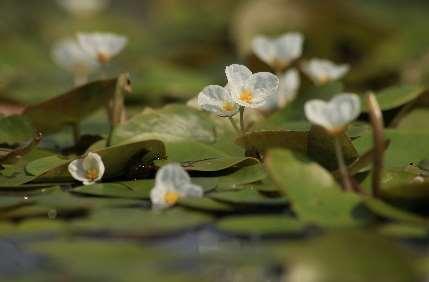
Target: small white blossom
<point>70,56</point>
<point>334,115</point>
<point>278,52</point>
<point>102,46</point>
<point>217,99</point>
<point>172,182</point>
<point>88,169</point>
<point>250,90</point>
<point>83,7</point>
<point>288,89</point>
<point>323,71</point>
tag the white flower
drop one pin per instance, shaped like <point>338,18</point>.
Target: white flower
<point>88,169</point>
<point>288,88</point>
<point>335,114</point>
<point>69,55</point>
<point>250,90</point>
<point>278,52</point>
<point>217,99</point>
<point>323,71</point>
<point>172,182</point>
<point>83,7</point>
<point>102,46</point>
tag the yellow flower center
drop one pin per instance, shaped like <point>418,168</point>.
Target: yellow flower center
<point>103,58</point>
<point>91,174</point>
<point>171,198</point>
<point>228,107</point>
<point>323,79</point>
<point>246,96</point>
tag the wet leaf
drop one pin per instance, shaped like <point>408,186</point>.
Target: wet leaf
<point>260,225</point>
<point>55,113</point>
<point>313,193</point>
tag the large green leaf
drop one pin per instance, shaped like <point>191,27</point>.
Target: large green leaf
<point>171,123</point>
<point>71,107</point>
<point>405,147</point>
<point>15,129</point>
<point>396,96</point>
<point>261,225</point>
<point>313,193</point>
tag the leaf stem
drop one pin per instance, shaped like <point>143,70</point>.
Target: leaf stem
<point>347,185</point>
<point>234,125</point>
<point>242,120</point>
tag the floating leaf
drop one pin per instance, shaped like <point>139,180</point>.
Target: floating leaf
<point>260,225</point>
<point>137,222</point>
<point>15,129</point>
<point>312,191</point>
<point>171,123</point>
<point>247,196</point>
<point>52,115</point>
<point>396,96</point>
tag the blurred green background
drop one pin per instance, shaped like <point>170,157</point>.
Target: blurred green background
<point>176,47</point>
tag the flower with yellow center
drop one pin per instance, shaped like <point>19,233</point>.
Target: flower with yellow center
<point>323,71</point>
<point>102,46</point>
<point>88,169</point>
<point>172,182</point>
<point>248,89</point>
<point>217,99</point>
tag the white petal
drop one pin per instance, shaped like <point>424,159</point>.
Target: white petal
<point>335,114</point>
<point>172,175</point>
<point>289,47</point>
<point>288,87</point>
<point>322,71</point>
<point>157,196</point>
<point>94,161</point>
<point>77,171</point>
<point>264,49</point>
<point>317,112</point>
<point>216,99</point>
<point>191,190</point>
<point>347,107</point>
<point>69,55</point>
<point>97,43</point>
<point>237,76</point>
<point>262,85</point>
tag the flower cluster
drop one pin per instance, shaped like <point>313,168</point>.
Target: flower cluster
<point>87,52</point>
<point>244,89</point>
<point>279,53</point>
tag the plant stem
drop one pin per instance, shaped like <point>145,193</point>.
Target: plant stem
<point>234,124</point>
<point>242,120</point>
<point>76,132</point>
<point>347,185</point>
<point>377,125</point>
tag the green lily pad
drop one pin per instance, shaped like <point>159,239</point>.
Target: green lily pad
<point>15,129</point>
<point>313,193</point>
<point>260,225</point>
<point>141,223</point>
<point>262,141</point>
<point>171,123</point>
<point>396,96</point>
<point>53,114</point>
<point>405,147</point>
<point>139,190</point>
<point>206,204</point>
<point>248,196</point>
